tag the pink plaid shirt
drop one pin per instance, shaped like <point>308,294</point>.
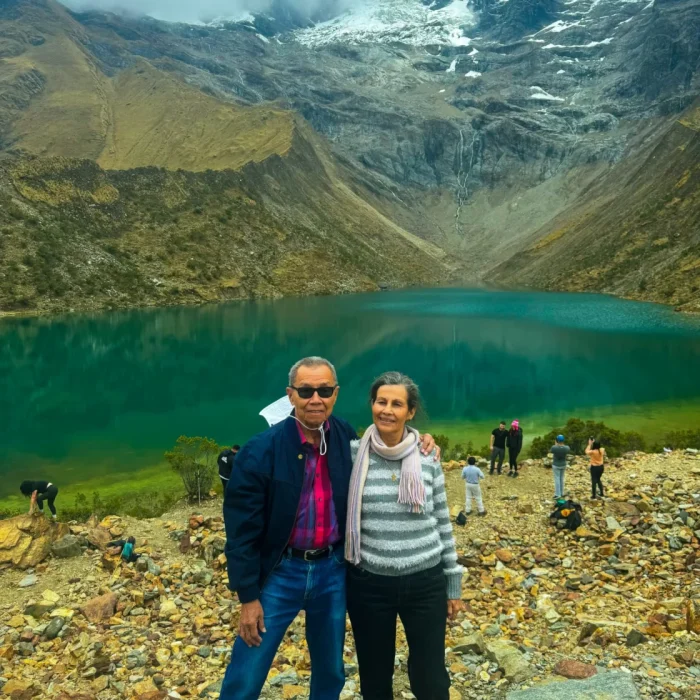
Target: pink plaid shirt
<point>316,525</point>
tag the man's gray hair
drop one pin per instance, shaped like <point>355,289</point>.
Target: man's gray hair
<point>311,362</point>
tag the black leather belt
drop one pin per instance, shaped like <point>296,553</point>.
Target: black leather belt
<point>311,554</point>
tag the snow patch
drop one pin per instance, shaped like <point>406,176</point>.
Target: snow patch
<point>472,74</point>
<point>453,67</point>
<point>589,45</point>
<point>473,52</point>
<point>405,21</point>
<point>559,26</point>
<point>263,38</point>
<point>540,94</point>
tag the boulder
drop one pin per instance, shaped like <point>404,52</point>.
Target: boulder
<point>692,612</point>
<point>100,609</point>
<point>66,547</point>
<point>28,581</point>
<point>14,687</point>
<point>513,664</point>
<point>54,627</point>
<point>38,610</point>
<point>98,537</point>
<point>570,668</point>
<point>26,540</point>
<point>504,555</point>
<point>473,644</point>
<point>635,638</point>
<point>614,685</point>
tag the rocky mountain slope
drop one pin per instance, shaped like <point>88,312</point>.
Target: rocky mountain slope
<point>137,188</point>
<point>613,606</point>
<point>476,127</point>
<point>635,231</point>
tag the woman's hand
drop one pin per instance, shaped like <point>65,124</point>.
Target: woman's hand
<point>454,607</point>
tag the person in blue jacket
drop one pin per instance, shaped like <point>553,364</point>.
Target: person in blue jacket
<point>285,510</point>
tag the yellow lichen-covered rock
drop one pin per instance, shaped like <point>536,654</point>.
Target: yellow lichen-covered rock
<point>26,540</point>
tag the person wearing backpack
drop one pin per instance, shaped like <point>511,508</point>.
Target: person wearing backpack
<point>514,443</point>
<point>225,461</point>
<point>126,548</point>
<point>597,455</point>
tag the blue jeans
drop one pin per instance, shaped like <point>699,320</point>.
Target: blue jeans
<point>318,587</point>
<point>559,473</point>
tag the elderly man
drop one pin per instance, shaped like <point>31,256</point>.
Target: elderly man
<point>285,514</point>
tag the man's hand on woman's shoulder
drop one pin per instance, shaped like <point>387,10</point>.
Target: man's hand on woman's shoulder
<point>428,445</point>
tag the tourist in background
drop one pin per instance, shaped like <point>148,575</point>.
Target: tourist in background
<point>559,452</point>
<point>472,475</point>
<point>285,513</point>
<point>38,492</point>
<point>225,461</point>
<point>597,456</point>
<point>400,547</point>
<point>498,446</point>
<point>514,442</point>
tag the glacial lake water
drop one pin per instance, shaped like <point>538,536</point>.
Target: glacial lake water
<point>92,401</point>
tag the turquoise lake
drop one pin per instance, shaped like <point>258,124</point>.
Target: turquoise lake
<point>102,396</point>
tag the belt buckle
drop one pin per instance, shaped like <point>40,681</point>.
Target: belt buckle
<point>307,553</point>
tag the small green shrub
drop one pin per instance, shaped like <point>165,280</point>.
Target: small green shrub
<point>194,459</point>
<point>577,432</point>
<point>680,440</point>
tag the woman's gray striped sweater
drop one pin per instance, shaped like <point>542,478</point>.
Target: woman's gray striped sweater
<point>393,540</point>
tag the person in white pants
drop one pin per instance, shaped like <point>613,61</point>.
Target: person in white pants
<point>473,475</point>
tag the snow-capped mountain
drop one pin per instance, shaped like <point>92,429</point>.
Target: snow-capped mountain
<point>402,21</point>
<point>473,125</point>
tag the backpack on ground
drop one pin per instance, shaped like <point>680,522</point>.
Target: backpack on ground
<point>568,511</point>
<point>127,551</point>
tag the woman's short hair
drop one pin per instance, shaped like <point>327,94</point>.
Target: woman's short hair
<point>398,379</point>
<point>596,445</point>
<point>27,488</point>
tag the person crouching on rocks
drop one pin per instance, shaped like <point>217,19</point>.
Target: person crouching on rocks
<point>38,492</point>
<point>125,549</point>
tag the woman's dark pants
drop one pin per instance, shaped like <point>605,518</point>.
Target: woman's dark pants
<point>513,458</point>
<point>51,494</point>
<point>596,475</point>
<point>420,600</point>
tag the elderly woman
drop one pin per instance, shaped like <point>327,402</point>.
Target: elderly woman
<point>400,549</point>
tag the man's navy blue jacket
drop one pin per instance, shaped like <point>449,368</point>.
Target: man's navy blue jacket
<point>262,499</point>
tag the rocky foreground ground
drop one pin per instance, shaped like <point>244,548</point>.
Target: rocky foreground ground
<point>611,610</point>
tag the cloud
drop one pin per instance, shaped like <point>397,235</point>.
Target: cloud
<point>204,10</point>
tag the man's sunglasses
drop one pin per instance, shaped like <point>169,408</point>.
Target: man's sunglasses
<point>306,392</point>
